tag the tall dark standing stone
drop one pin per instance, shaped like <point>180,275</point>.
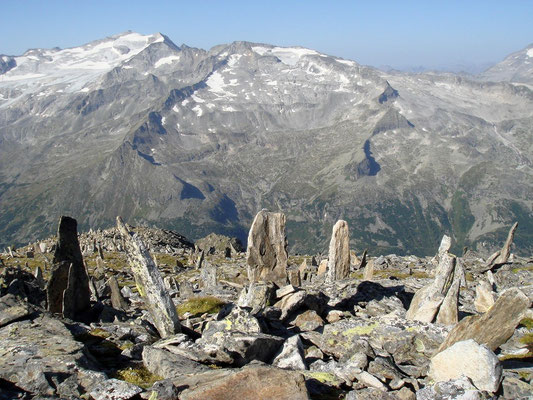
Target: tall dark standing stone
<point>68,261</point>
<point>266,255</point>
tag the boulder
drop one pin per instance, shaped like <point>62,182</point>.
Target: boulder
<point>457,389</point>
<point>11,309</point>
<point>339,253</point>
<point>150,283</point>
<point>257,296</point>
<point>250,383</point>
<point>468,358</point>
<point>169,365</point>
<point>495,326</point>
<point>291,354</point>
<point>266,255</point>
<point>115,389</point>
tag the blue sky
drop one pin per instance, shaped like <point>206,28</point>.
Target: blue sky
<point>396,33</point>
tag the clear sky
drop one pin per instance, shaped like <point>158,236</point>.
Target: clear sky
<point>398,33</point>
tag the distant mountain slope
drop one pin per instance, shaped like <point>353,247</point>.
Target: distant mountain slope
<point>199,141</point>
<point>517,68</point>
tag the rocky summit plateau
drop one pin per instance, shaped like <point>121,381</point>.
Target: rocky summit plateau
<point>199,141</point>
<point>144,313</point>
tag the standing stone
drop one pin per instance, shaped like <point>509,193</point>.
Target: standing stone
<point>427,301</point>
<point>484,297</point>
<point>117,301</point>
<point>294,277</point>
<point>266,255</point>
<point>322,268</point>
<point>208,276</point>
<point>501,257</point>
<point>449,309</point>
<point>362,264</point>
<point>339,252</point>
<point>200,260</point>
<point>39,277</point>
<point>150,283</point>
<point>494,327</point>
<point>75,292</point>
<point>369,271</point>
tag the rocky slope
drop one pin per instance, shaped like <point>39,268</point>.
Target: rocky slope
<point>199,141</point>
<point>350,338</point>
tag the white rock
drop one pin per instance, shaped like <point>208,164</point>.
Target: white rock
<point>468,358</point>
<point>291,355</point>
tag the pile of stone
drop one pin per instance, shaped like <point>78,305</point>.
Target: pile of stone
<point>310,331</point>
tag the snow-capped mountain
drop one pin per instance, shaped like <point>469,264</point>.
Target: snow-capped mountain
<point>516,68</point>
<point>199,140</point>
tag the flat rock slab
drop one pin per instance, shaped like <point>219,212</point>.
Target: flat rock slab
<point>494,327</point>
<point>168,365</point>
<point>251,383</point>
<point>44,343</point>
<point>11,309</point>
<point>114,389</point>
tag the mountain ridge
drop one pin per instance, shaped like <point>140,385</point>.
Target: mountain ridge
<point>201,140</point>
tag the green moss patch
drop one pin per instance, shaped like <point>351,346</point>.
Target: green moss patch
<point>137,375</point>
<point>197,306</point>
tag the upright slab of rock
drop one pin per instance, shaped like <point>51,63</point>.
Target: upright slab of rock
<point>339,253</point>
<point>502,256</point>
<point>68,288</point>
<point>494,327</point>
<point>442,294</point>
<point>150,283</point>
<point>266,255</point>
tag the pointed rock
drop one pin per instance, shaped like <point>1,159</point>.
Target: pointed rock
<point>266,255</point>
<point>339,252</point>
<point>427,301</point>
<point>449,309</point>
<point>291,354</point>
<point>369,271</point>
<point>150,283</point>
<point>117,301</point>
<point>484,297</point>
<point>494,327</point>
<point>70,287</point>
<point>505,252</point>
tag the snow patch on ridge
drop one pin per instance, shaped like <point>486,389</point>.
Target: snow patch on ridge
<point>166,60</point>
<point>530,53</point>
<point>287,55</point>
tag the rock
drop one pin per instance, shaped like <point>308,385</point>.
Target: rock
<point>285,290</point>
<point>56,287</point>
<point>266,255</point>
<point>427,301</point>
<point>200,260</point>
<point>370,380</point>
<point>368,273</point>
<point>290,303</point>
<point>76,292</point>
<point>251,383</point>
<point>257,296</point>
<point>150,283</point>
<point>238,319</point>
<point>208,276</point>
<point>39,277</point>
<point>470,359</point>
<point>117,301</point>
<point>339,253</point>
<point>458,389</point>
<point>11,309</point>
<point>495,326</point>
<point>484,297</point>
<point>503,256</point>
<point>169,365</point>
<point>164,390</point>
<point>114,389</point>
<point>219,244</point>
<point>30,350</point>
<point>322,268</point>
<point>309,320</point>
<point>514,388</point>
<point>291,355</point>
<point>444,248</point>
<point>449,309</point>
<point>294,277</point>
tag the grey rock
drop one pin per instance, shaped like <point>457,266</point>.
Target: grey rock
<point>484,297</point>
<point>290,303</point>
<point>165,390</point>
<point>266,255</point>
<point>169,365</point>
<point>309,320</point>
<point>208,276</point>
<point>458,389</point>
<point>114,389</point>
<point>117,301</point>
<point>76,293</point>
<point>257,296</point>
<point>495,326</point>
<point>11,309</point>
<point>291,355</point>
<point>339,252</point>
<point>470,359</point>
<point>150,283</point>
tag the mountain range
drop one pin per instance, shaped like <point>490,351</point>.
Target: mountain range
<point>198,141</point>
